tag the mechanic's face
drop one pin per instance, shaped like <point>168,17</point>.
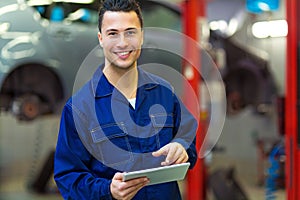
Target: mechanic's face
<point>121,38</point>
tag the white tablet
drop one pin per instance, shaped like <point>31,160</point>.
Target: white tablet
<point>160,174</point>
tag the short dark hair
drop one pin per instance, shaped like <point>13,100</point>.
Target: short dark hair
<point>119,5</point>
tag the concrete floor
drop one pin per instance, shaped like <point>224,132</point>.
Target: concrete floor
<point>14,189</point>
<point>24,147</point>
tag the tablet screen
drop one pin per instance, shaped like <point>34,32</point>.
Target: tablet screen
<point>160,174</point>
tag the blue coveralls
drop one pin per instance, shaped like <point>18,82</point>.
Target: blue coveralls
<point>101,134</point>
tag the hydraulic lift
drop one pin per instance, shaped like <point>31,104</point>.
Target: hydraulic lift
<point>196,187</point>
<point>292,106</point>
<point>193,11</point>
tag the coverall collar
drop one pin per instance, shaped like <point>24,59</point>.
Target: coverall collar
<point>101,87</point>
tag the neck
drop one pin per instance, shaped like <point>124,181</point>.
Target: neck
<point>124,80</point>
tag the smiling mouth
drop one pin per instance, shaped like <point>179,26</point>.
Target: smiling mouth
<point>124,54</point>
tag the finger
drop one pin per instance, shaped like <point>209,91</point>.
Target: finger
<point>120,189</point>
<point>132,191</point>
<point>134,182</point>
<point>116,186</point>
<point>161,151</point>
<point>170,156</point>
<point>116,181</point>
<point>118,176</point>
<point>182,159</point>
<point>132,187</point>
<point>179,155</point>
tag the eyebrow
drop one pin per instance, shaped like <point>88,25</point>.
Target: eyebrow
<point>116,30</point>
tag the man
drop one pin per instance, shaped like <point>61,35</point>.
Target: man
<point>123,119</point>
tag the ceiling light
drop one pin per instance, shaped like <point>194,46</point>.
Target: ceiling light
<point>265,29</point>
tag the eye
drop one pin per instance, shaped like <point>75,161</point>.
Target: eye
<point>131,32</point>
<point>112,33</point>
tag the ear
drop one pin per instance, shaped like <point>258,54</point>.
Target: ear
<point>100,39</point>
<point>142,37</point>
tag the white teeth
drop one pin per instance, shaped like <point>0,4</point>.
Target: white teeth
<point>124,53</point>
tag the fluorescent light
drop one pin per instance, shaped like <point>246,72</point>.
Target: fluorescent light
<point>48,2</point>
<point>75,1</point>
<point>218,25</point>
<point>214,25</point>
<point>275,28</point>
<point>278,28</point>
<point>260,30</point>
<point>232,26</point>
<point>39,2</point>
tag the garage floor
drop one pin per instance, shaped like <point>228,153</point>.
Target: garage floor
<point>24,147</point>
<point>15,190</point>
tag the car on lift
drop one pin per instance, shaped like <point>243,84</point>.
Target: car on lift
<point>43,44</point>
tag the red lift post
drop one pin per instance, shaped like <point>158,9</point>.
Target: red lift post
<point>192,10</point>
<point>292,105</point>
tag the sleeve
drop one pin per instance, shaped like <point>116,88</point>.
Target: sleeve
<point>185,130</point>
<point>72,175</point>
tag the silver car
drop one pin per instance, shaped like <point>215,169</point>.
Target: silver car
<point>43,43</point>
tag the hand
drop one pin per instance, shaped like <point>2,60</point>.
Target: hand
<point>174,152</point>
<point>126,190</point>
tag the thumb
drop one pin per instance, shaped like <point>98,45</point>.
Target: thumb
<point>118,176</point>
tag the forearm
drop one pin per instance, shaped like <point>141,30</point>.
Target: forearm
<point>83,186</point>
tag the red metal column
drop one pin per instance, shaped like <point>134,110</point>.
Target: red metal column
<point>291,117</point>
<point>192,10</point>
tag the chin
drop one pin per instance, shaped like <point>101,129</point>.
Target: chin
<point>125,66</point>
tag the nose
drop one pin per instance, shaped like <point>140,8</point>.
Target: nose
<point>123,41</point>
